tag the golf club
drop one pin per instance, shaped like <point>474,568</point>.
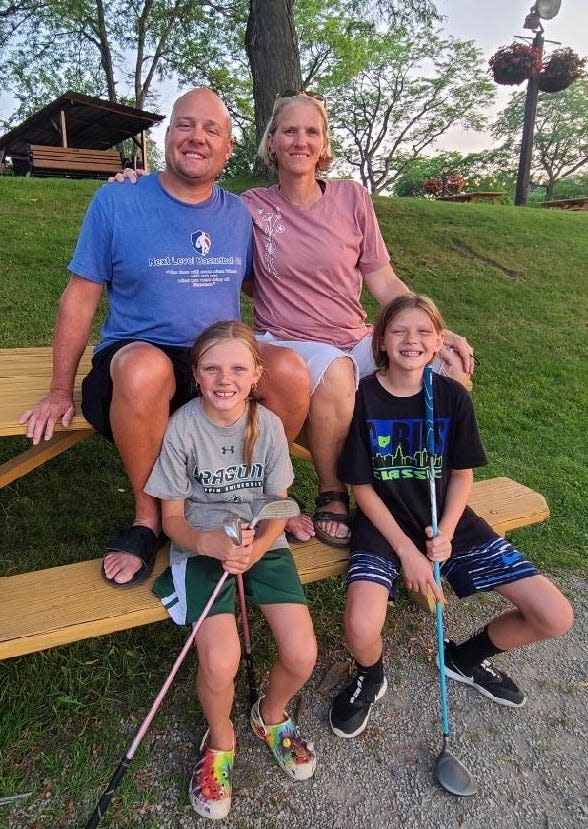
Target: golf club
<point>265,507</point>
<point>124,764</point>
<point>232,528</point>
<point>451,773</point>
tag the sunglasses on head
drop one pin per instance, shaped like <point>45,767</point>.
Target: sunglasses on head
<point>294,93</point>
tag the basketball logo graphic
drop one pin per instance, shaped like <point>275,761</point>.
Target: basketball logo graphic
<point>201,242</point>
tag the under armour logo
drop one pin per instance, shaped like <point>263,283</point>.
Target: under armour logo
<point>230,449</point>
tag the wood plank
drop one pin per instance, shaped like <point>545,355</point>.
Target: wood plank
<point>25,362</point>
<point>72,159</point>
<point>64,604</point>
<point>25,374</point>
<point>578,203</point>
<point>51,607</point>
<point>38,455</point>
<point>507,505</point>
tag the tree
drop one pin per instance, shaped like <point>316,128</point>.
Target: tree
<point>487,170</point>
<point>93,46</point>
<point>330,37</point>
<point>414,86</point>
<point>272,48</point>
<point>561,130</point>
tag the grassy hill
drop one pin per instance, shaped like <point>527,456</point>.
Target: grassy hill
<point>512,280</point>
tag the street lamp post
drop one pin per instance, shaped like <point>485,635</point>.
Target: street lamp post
<point>543,9</point>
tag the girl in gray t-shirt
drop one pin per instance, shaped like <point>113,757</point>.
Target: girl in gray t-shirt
<point>220,452</point>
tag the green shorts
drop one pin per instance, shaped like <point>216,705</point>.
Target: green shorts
<point>184,588</point>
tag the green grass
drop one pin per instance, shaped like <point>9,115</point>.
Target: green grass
<point>510,279</point>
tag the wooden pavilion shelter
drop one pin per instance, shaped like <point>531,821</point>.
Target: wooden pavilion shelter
<point>74,136</point>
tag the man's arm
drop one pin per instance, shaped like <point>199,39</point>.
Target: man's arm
<point>385,286</point>
<point>76,311</point>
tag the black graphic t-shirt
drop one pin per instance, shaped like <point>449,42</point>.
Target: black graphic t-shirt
<point>386,447</point>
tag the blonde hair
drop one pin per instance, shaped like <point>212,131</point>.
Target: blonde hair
<point>390,311</point>
<point>269,158</point>
<point>234,330</point>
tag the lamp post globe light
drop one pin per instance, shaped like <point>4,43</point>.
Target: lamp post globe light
<point>542,10</point>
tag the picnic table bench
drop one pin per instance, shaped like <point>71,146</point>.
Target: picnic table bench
<point>578,203</point>
<point>58,605</point>
<point>473,197</point>
<point>72,161</point>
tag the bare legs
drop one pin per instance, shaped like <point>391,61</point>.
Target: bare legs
<point>218,657</point>
<point>331,410</point>
<point>219,652</point>
<point>540,612</point>
<point>365,613</point>
<point>143,385</point>
<point>291,627</point>
<point>285,387</point>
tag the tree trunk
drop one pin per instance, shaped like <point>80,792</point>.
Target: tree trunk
<point>274,58</point>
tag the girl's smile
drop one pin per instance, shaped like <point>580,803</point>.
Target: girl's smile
<point>225,374</point>
<point>411,341</point>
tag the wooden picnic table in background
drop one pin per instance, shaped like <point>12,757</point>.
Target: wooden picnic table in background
<point>579,203</point>
<point>473,197</point>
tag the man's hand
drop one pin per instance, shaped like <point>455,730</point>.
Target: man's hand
<point>57,405</point>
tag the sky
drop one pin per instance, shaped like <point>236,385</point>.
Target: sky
<point>490,23</point>
<point>495,23</point>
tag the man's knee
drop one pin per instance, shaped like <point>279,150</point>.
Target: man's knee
<point>142,371</point>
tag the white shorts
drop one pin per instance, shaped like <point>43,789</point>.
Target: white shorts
<point>319,356</point>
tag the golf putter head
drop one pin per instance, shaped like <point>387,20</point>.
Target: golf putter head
<point>267,506</point>
<point>453,775</point>
<point>273,506</point>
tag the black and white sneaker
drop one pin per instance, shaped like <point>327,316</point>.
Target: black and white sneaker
<point>351,707</point>
<point>485,678</point>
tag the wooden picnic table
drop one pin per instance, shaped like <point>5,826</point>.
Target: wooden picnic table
<point>473,197</point>
<point>49,607</point>
<point>578,203</point>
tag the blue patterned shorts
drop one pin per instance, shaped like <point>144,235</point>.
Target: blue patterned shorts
<point>481,568</point>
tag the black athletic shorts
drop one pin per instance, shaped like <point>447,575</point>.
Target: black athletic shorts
<point>97,386</point>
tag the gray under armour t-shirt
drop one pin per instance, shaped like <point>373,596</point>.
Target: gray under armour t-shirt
<point>202,464</point>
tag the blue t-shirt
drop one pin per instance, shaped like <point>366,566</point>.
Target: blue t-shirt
<point>170,268</point>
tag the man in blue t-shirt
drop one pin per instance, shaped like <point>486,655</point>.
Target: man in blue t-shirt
<point>172,252</point>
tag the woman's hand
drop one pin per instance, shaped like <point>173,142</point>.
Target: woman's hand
<point>458,353</point>
<point>128,174</point>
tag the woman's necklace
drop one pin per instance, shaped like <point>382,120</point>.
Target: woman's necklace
<point>306,201</point>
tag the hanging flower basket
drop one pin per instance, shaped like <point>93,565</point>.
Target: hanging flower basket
<point>443,185</point>
<point>562,68</point>
<point>511,65</point>
<point>553,83</point>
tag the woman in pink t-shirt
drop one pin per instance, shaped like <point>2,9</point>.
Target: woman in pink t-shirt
<point>316,243</point>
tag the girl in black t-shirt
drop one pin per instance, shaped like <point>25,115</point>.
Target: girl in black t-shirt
<point>385,460</point>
